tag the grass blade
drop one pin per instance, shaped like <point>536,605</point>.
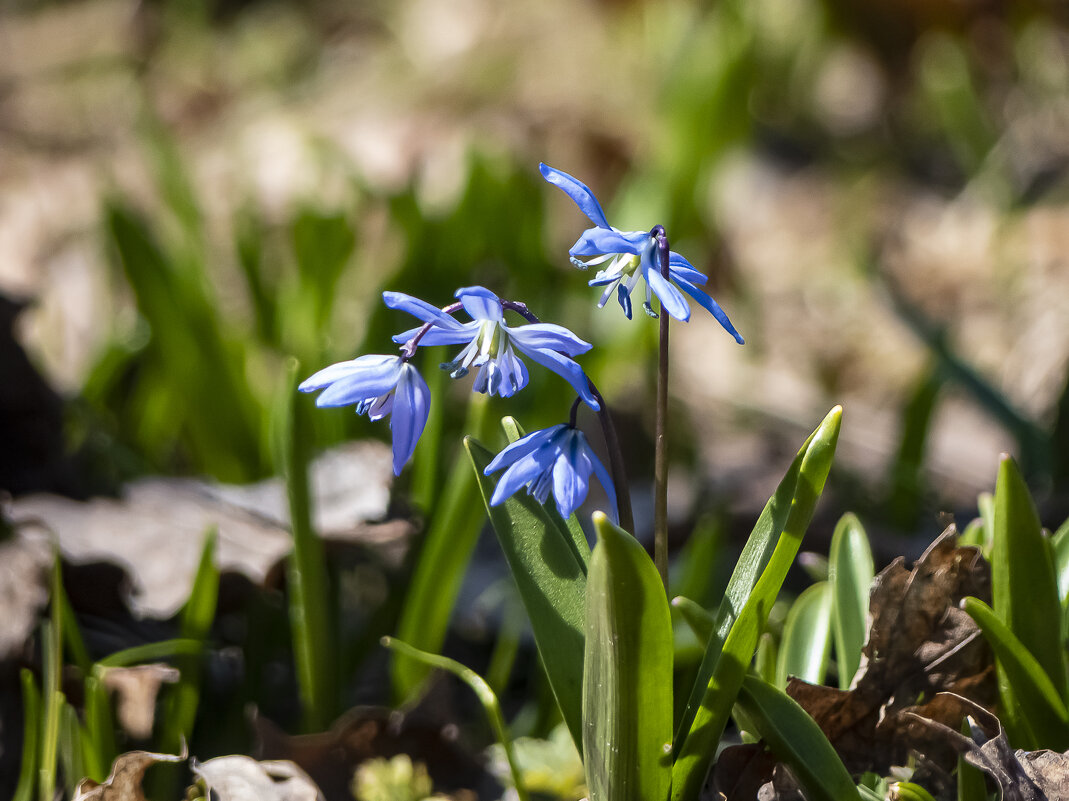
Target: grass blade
<point>806,642</point>
<point>306,575</point>
<point>31,737</point>
<point>551,579</point>
<point>627,677</point>
<point>150,652</point>
<point>443,561</point>
<point>484,693</point>
<point>797,740</point>
<point>850,571</point>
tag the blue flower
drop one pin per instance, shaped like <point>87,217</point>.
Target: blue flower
<point>557,459</point>
<point>491,344</point>
<point>630,255</point>
<point>379,386</point>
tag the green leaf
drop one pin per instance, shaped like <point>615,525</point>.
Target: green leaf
<point>197,617</point>
<point>699,620</point>
<point>695,756</point>
<point>850,571</point>
<point>150,652</point>
<point>551,578</point>
<point>314,647</point>
<point>627,680</point>
<point>481,689</point>
<point>971,783</point>
<point>99,728</point>
<point>1041,708</point>
<point>908,791</point>
<point>806,641</point>
<point>1024,587</point>
<point>796,740</point>
<point>443,561</point>
<point>754,584</point>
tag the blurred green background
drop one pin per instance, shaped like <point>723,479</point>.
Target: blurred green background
<point>192,192</point>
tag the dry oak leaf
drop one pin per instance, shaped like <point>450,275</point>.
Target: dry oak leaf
<point>242,778</point>
<point>920,643</point>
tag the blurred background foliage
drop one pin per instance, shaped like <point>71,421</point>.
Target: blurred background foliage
<point>877,190</point>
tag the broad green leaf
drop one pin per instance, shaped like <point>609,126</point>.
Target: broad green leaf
<point>697,618</point>
<point>766,658</point>
<point>314,647</point>
<point>758,576</point>
<point>1024,587</point>
<point>1060,545</point>
<point>1041,708</point>
<point>551,579</point>
<point>796,740</point>
<point>627,678</point>
<point>695,756</point>
<point>806,642</point>
<point>443,560</point>
<point>483,692</point>
<point>850,571</point>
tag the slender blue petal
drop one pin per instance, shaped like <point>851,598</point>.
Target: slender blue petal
<point>547,336</point>
<point>578,191</point>
<point>679,267</point>
<point>419,309</point>
<point>328,375</point>
<point>480,303</point>
<point>597,241</point>
<point>671,298</point>
<point>521,447</point>
<point>440,336</point>
<point>606,482</point>
<point>523,472</point>
<point>711,306</point>
<point>567,369</point>
<point>359,386</point>
<point>411,407</point>
<point>571,475</point>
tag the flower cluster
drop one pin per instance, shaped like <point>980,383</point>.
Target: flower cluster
<point>557,459</point>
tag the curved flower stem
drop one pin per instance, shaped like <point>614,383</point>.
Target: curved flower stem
<point>660,455</point>
<point>616,459</point>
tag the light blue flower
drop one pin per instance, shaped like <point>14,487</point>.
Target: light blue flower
<point>378,386</point>
<point>557,459</point>
<point>630,255</point>
<point>490,344</point>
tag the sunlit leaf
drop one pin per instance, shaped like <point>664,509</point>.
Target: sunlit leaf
<point>806,642</point>
<point>851,570</point>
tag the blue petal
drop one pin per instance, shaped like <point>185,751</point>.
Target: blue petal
<point>578,191</point>
<point>712,306</point>
<point>521,447</point>
<point>571,476</point>
<point>328,375</point>
<point>419,309</point>
<point>522,472</point>
<point>671,298</point>
<point>411,406</point>
<point>480,303</point>
<point>569,370</point>
<point>369,383</point>
<point>597,241</point>
<point>679,267</point>
<point>547,336</point>
<point>440,336</point>
<point>606,482</point>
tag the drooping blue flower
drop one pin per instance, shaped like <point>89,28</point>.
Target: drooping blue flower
<point>378,386</point>
<point>490,344</point>
<point>630,255</point>
<point>557,459</point>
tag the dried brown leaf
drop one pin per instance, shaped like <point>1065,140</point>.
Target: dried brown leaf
<point>124,783</point>
<point>241,778</point>
<point>136,689</point>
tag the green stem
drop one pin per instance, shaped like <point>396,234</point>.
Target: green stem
<point>616,462</point>
<point>660,455</point>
